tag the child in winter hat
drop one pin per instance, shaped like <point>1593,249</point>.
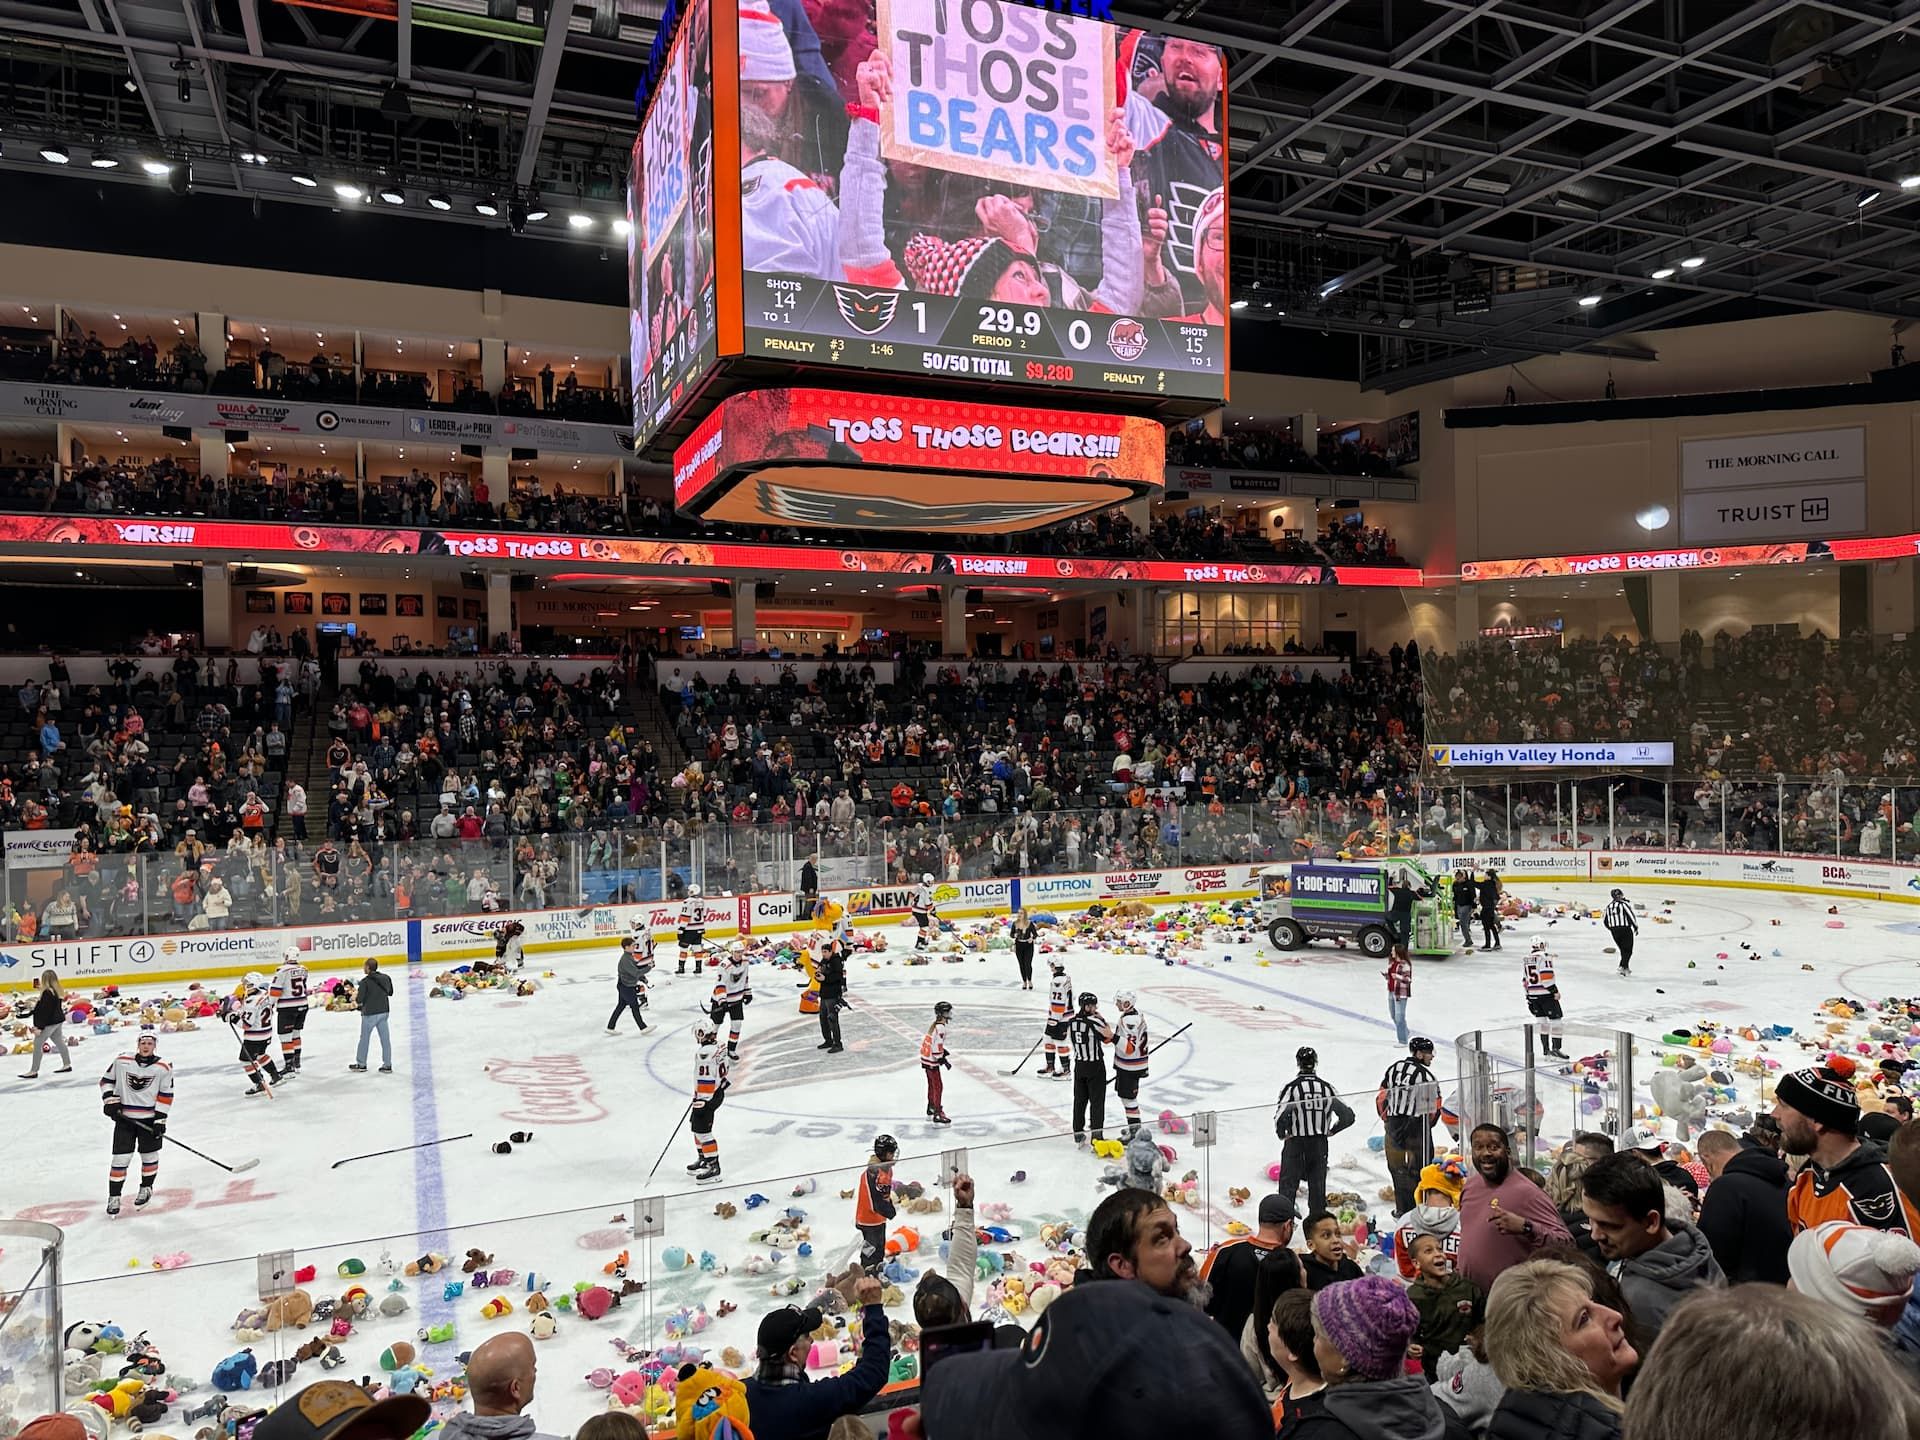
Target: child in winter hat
<point>1368,1324</point>
<point>1854,1268</point>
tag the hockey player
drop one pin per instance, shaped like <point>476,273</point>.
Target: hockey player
<point>1130,1049</point>
<point>1543,997</point>
<point>509,949</point>
<point>738,983</point>
<point>923,912</point>
<point>1088,1035</point>
<point>710,1082</point>
<point>254,1015</point>
<point>642,949</point>
<point>1308,1113</point>
<point>289,992</point>
<point>693,931</point>
<point>934,1059</point>
<point>1059,1011</point>
<point>136,1094</point>
<point>873,1203</point>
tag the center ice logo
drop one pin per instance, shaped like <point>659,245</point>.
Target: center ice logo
<point>553,1090</point>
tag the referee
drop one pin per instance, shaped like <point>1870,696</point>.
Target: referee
<point>1089,1034</point>
<point>1308,1112</point>
<point>1408,1104</point>
<point>1621,924</point>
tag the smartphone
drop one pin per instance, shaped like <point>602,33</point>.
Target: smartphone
<point>941,1341</point>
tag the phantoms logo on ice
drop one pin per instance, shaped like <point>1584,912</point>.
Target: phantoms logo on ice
<point>553,1090</point>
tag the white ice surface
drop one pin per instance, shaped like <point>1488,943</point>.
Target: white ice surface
<point>601,1107</point>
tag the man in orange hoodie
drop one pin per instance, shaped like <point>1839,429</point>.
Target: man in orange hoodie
<point>1846,1178</point>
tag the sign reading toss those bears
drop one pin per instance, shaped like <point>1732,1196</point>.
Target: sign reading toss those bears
<point>1000,91</point>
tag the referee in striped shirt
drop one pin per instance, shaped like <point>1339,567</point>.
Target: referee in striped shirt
<point>1621,924</point>
<point>1308,1112</point>
<point>1408,1104</point>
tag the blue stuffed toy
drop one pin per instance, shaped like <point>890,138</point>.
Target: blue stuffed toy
<point>236,1372</point>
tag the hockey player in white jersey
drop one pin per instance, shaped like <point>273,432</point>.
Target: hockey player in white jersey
<point>738,983</point>
<point>254,1016</point>
<point>289,990</point>
<point>1130,1049</point>
<point>709,1089</point>
<point>692,934</point>
<point>923,917</point>
<point>136,1094</point>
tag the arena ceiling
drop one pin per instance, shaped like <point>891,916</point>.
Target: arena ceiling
<point>1449,180</point>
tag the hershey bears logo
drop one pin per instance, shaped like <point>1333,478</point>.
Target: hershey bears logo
<point>868,311</point>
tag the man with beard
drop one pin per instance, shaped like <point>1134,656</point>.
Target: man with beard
<point>1846,1178</point>
<point>1181,164</point>
<point>1132,1235</point>
<point>1504,1217</point>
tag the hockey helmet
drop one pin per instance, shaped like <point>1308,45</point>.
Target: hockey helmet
<point>943,1009</point>
<point>885,1147</point>
<point>705,1027</point>
<point>1124,999</point>
<point>1306,1057</point>
<point>254,980</point>
<point>693,892</point>
<point>1088,999</point>
<point>1418,1044</point>
<point>1058,962</point>
<point>926,879</point>
<point>291,954</point>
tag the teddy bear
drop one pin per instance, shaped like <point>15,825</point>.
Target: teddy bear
<point>289,1311</point>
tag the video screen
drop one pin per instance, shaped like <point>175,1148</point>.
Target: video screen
<point>967,188</point>
<point>670,267</point>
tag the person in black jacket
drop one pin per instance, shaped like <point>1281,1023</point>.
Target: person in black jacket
<point>49,1026</point>
<point>786,1403</point>
<point>1025,935</point>
<point>1560,1352</point>
<point>833,994</point>
<point>1465,899</point>
<point>1489,893</point>
<point>1744,1213</point>
<point>374,1001</point>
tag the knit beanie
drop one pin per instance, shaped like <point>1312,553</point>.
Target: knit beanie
<point>1854,1268</point>
<point>1370,1322</point>
<point>971,266</point>
<point>765,52</point>
<point>1824,1094</point>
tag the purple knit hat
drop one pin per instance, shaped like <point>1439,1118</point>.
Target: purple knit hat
<point>1370,1321</point>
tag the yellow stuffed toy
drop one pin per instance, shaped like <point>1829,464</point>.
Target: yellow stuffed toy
<point>709,1404</point>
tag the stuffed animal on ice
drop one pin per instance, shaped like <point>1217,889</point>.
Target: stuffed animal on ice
<point>1145,1164</point>
<point>709,1404</point>
<point>1680,1092</point>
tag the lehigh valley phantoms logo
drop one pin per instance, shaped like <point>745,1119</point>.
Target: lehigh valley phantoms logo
<point>868,311</point>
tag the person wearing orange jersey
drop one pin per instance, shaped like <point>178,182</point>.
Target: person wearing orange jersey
<point>934,1059</point>
<point>873,1203</point>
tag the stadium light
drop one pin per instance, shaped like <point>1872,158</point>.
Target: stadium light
<point>440,201</point>
<point>156,168</point>
<point>104,160</point>
<point>488,207</point>
<point>1665,272</point>
<point>54,154</point>
<point>303,179</point>
<point>1654,517</point>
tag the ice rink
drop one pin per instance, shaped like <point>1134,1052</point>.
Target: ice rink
<point>600,1109</point>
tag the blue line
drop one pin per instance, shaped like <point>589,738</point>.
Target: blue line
<point>429,1180</point>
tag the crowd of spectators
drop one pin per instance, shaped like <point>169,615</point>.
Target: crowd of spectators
<point>1613,1294</point>
<point>1243,447</point>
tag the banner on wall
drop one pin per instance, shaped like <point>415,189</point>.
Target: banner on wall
<point>37,849</point>
<point>89,405</point>
<point>1552,756</point>
<point>1723,557</point>
<point>1794,458</point>
<point>1831,507</point>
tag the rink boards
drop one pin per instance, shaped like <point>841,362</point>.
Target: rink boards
<point>435,941</point>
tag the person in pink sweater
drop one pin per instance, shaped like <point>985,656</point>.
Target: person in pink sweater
<point>1504,1216</point>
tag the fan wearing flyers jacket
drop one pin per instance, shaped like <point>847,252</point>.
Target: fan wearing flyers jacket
<point>1846,1178</point>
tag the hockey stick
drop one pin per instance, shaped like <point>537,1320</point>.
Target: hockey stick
<point>240,1169</point>
<point>1173,1037</point>
<point>1028,1056</point>
<point>401,1149</point>
<point>670,1134</point>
